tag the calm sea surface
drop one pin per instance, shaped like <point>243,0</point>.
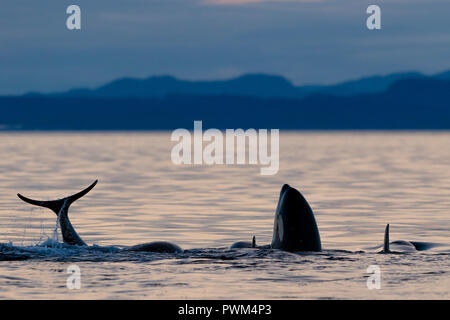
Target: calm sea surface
<point>356,182</point>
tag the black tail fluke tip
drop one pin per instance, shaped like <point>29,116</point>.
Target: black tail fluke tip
<point>56,205</point>
<point>30,201</point>
<point>80,194</point>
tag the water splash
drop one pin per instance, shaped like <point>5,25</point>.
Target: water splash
<point>55,235</point>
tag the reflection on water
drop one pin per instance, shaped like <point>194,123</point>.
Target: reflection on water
<point>355,182</point>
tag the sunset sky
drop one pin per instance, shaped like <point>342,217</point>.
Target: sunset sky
<point>307,41</point>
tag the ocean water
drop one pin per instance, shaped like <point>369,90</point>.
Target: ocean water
<point>356,183</point>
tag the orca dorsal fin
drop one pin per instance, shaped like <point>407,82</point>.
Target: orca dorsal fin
<point>386,239</point>
<point>254,242</point>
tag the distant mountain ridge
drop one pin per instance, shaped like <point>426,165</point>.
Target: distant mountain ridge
<point>251,85</point>
<point>420,103</point>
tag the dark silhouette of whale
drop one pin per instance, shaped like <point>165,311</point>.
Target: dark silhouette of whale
<point>244,244</point>
<point>70,236</point>
<point>402,246</point>
<point>294,227</point>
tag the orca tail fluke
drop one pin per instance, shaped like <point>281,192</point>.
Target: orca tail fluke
<point>386,239</point>
<point>57,205</point>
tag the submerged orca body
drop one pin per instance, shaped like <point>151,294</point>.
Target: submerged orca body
<point>244,244</point>
<point>294,228</point>
<point>61,208</point>
<point>156,246</point>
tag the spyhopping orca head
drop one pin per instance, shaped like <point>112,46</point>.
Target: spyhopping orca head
<point>295,227</point>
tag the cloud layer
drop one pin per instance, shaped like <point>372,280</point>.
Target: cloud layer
<point>308,42</point>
